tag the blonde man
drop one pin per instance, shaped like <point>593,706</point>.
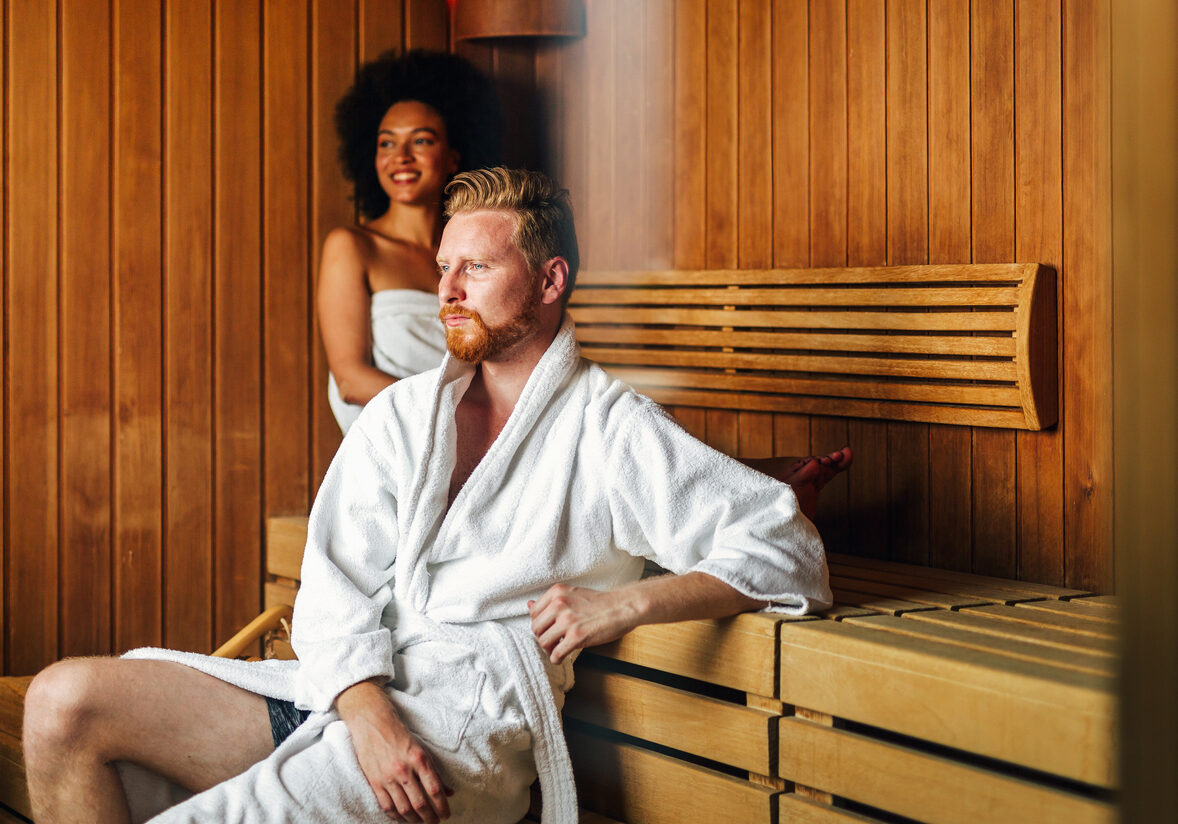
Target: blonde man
<point>480,524</point>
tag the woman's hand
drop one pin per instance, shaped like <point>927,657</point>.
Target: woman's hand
<point>400,771</point>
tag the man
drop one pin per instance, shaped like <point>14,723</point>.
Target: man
<point>479,525</point>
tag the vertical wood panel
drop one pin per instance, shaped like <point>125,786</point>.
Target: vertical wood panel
<point>790,108</point>
<point>85,314</point>
<point>722,137</point>
<point>992,57</point>
<point>426,25</point>
<point>828,214</point>
<point>629,99</point>
<point>950,447</point>
<point>907,221</point>
<point>332,67</point>
<point>598,241</point>
<point>1039,237</point>
<point>867,241</point>
<point>188,168</point>
<point>658,220</point>
<point>138,378</point>
<point>690,133</point>
<point>1087,296</point>
<point>382,27</point>
<point>285,247</point>
<point>237,302</point>
<point>31,625</point>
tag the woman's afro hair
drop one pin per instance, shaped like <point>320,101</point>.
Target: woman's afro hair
<point>460,93</point>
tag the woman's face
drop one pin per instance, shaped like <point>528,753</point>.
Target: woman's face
<point>414,160</point>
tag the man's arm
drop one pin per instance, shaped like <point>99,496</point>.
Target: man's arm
<point>570,618</point>
<point>400,771</point>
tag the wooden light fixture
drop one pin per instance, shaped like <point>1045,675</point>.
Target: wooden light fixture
<point>477,19</point>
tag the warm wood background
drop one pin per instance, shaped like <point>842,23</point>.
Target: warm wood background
<point>169,171</point>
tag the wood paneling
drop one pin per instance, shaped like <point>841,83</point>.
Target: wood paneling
<point>169,172</point>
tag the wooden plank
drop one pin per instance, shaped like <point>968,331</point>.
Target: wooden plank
<point>832,364</point>
<point>276,592</point>
<point>754,432</point>
<point>793,808</point>
<point>1039,236</point>
<point>915,784</point>
<point>85,571</point>
<point>381,27</point>
<point>791,140</point>
<point>658,170</point>
<point>907,593</point>
<point>426,25</point>
<point>1010,646</point>
<point>951,590</point>
<point>12,703</point>
<point>13,787</point>
<point>1078,609</point>
<point>188,321</point>
<point>722,430</point>
<point>828,133</point>
<point>685,275</point>
<point>754,133</point>
<point>628,100</point>
<point>868,297</point>
<point>834,341</point>
<point>962,698</point>
<point>285,240</point>
<point>826,435</point>
<point>333,47</point>
<point>737,652</point>
<point>690,134</point>
<point>286,538</point>
<point>1086,310</point>
<point>893,321</point>
<point>1070,642</point>
<point>596,225</point>
<point>875,602</point>
<point>859,408</point>
<point>643,787</point>
<point>237,306</point>
<point>31,338</point>
<point>138,333</point>
<point>673,718</point>
<point>723,121</point>
<point>1105,601</point>
<point>950,448</point>
<point>966,579</point>
<point>992,123</point>
<point>1019,614</point>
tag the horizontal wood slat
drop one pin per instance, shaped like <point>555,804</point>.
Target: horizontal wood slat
<point>820,341</point>
<point>1030,633</point>
<point>925,787</point>
<point>1028,713</point>
<point>642,787</point>
<point>673,718</point>
<point>286,538</point>
<point>13,789</point>
<point>938,577</point>
<point>793,808</point>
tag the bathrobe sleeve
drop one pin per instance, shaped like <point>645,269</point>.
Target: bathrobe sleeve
<point>347,575</point>
<point>690,508</point>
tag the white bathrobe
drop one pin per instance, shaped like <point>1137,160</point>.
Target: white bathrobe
<point>586,480</point>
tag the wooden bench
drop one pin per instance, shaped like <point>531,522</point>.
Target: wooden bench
<point>933,695</point>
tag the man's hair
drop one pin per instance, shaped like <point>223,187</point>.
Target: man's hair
<point>447,83</point>
<point>543,215</point>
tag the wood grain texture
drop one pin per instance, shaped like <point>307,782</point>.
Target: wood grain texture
<point>690,133</point>
<point>237,312</point>
<point>138,326</point>
<point>791,135</point>
<point>724,128</point>
<point>31,346</point>
<point>1087,299</point>
<point>86,310</point>
<point>828,133</point>
<point>188,321</point>
<point>286,270</point>
<point>381,26</point>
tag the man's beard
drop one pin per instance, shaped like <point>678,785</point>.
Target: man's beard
<point>475,342</point>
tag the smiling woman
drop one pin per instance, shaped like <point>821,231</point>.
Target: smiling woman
<point>407,125</point>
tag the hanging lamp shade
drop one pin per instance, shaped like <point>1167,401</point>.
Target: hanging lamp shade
<point>476,19</point>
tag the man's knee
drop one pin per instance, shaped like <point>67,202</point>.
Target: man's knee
<point>61,707</point>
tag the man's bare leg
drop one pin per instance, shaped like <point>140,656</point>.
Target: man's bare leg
<point>807,476</point>
<point>84,714</point>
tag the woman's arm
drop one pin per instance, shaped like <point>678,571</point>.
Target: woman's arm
<point>345,305</point>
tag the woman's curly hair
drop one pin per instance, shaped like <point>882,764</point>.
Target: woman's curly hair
<point>459,92</point>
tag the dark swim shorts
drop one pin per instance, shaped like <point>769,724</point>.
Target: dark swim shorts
<point>284,718</point>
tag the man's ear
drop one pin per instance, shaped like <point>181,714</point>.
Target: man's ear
<point>556,278</point>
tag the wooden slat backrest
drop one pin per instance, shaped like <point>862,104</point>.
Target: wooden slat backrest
<point>967,344</point>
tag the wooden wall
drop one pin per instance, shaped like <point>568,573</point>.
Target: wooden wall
<point>801,133</point>
<point>169,170</point>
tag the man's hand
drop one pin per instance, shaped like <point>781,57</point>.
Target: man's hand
<point>569,618</point>
<point>399,769</point>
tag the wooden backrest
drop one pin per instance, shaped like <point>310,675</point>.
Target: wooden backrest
<point>965,344</point>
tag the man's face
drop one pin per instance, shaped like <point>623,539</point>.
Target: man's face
<point>490,298</point>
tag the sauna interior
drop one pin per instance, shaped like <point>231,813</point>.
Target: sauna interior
<point>170,173</point>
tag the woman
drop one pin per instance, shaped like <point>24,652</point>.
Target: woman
<point>407,125</point>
